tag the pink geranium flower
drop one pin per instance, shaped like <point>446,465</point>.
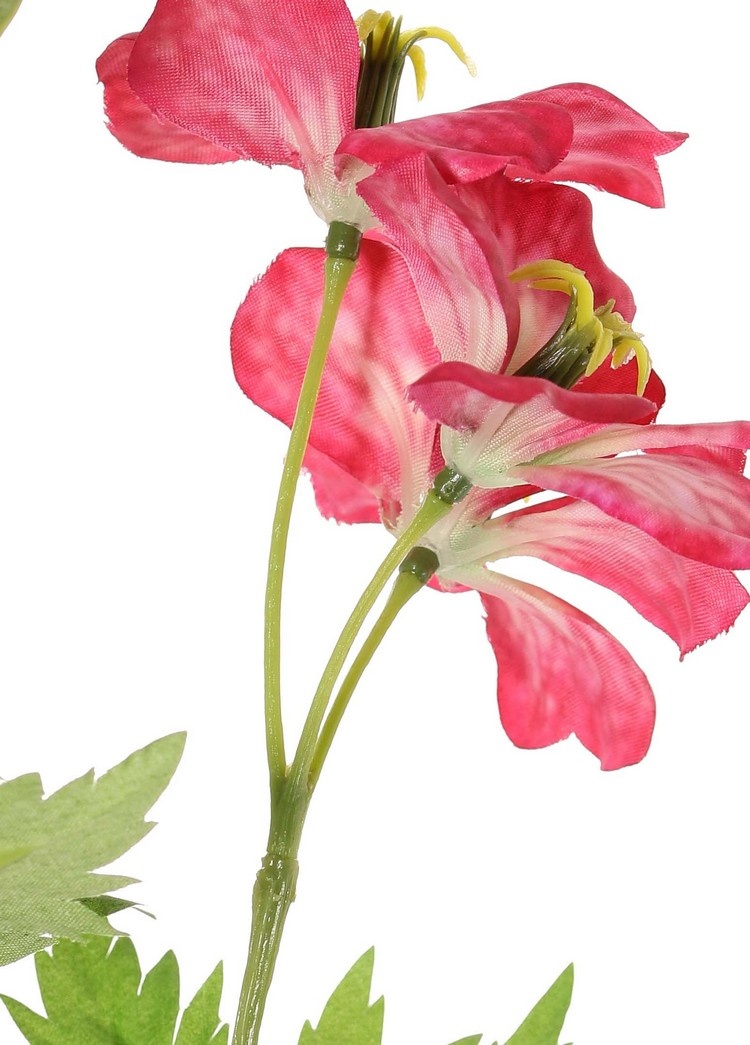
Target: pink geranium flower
<point>208,81</point>
<point>680,514</point>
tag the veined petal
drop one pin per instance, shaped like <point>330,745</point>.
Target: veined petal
<point>705,438</point>
<point>458,278</point>
<point>689,601</point>
<point>559,672</point>
<point>272,82</point>
<point>136,126</point>
<point>381,343</point>
<point>697,509</point>
<point>500,421</point>
<point>613,147</point>
<point>472,143</point>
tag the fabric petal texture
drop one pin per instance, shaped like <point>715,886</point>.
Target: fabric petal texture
<point>273,83</point>
<point>688,600</point>
<point>559,672</point>
<point>613,147</point>
<point>363,421</point>
<point>136,126</point>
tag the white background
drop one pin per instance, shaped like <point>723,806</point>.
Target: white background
<point>137,487</point>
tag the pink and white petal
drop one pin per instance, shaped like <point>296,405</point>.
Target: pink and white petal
<point>510,419</point>
<point>705,440</point>
<point>272,82</point>
<point>459,278</point>
<point>688,600</point>
<point>697,509</point>
<point>726,456</point>
<point>363,421</point>
<point>134,124</point>
<point>339,495</point>
<point>472,143</point>
<point>613,146</point>
<point>559,672</point>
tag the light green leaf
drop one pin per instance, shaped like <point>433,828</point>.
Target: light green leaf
<point>51,846</point>
<point>348,1016</point>
<point>475,1039</point>
<point>7,9</point>
<point>544,1023</point>
<point>91,993</point>
<point>201,1018</point>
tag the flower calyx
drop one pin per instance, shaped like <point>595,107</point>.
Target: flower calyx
<point>587,336</point>
<point>384,48</point>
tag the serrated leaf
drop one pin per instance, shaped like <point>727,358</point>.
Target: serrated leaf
<point>475,1039</point>
<point>7,9</point>
<point>544,1023</point>
<point>92,992</point>
<point>348,1016</point>
<point>84,825</point>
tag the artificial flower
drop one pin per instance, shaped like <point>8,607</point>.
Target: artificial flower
<point>208,81</point>
<point>461,316</point>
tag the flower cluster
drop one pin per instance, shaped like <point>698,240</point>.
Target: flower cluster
<point>481,330</point>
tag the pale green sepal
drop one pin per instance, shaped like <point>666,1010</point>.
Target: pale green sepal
<point>55,844</point>
<point>348,1016</point>
<point>544,1023</point>
<point>92,992</point>
<point>201,1021</point>
<point>7,9</point>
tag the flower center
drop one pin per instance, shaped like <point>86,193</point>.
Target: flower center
<point>587,336</point>
<point>384,48</point>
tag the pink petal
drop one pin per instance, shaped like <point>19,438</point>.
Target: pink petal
<point>471,143</point>
<point>690,601</point>
<point>363,421</point>
<point>559,672</point>
<point>271,82</point>
<point>697,509</point>
<point>613,146</point>
<point>607,381</point>
<point>136,127</point>
<point>339,495</point>
<point>528,222</point>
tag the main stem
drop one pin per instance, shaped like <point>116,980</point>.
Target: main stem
<point>342,246</point>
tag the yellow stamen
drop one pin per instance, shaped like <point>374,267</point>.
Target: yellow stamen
<point>611,334</point>
<point>373,23</point>
<point>416,54</point>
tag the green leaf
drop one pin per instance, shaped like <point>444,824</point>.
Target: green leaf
<point>475,1039</point>
<point>51,846</point>
<point>348,1016</point>
<point>7,9</point>
<point>201,1017</point>
<point>91,994</point>
<point>544,1023</point>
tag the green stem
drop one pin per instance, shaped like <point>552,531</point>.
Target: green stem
<point>275,884</point>
<point>413,575</point>
<point>341,246</point>
<point>432,509</point>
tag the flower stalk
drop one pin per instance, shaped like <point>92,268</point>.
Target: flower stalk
<point>342,248</point>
